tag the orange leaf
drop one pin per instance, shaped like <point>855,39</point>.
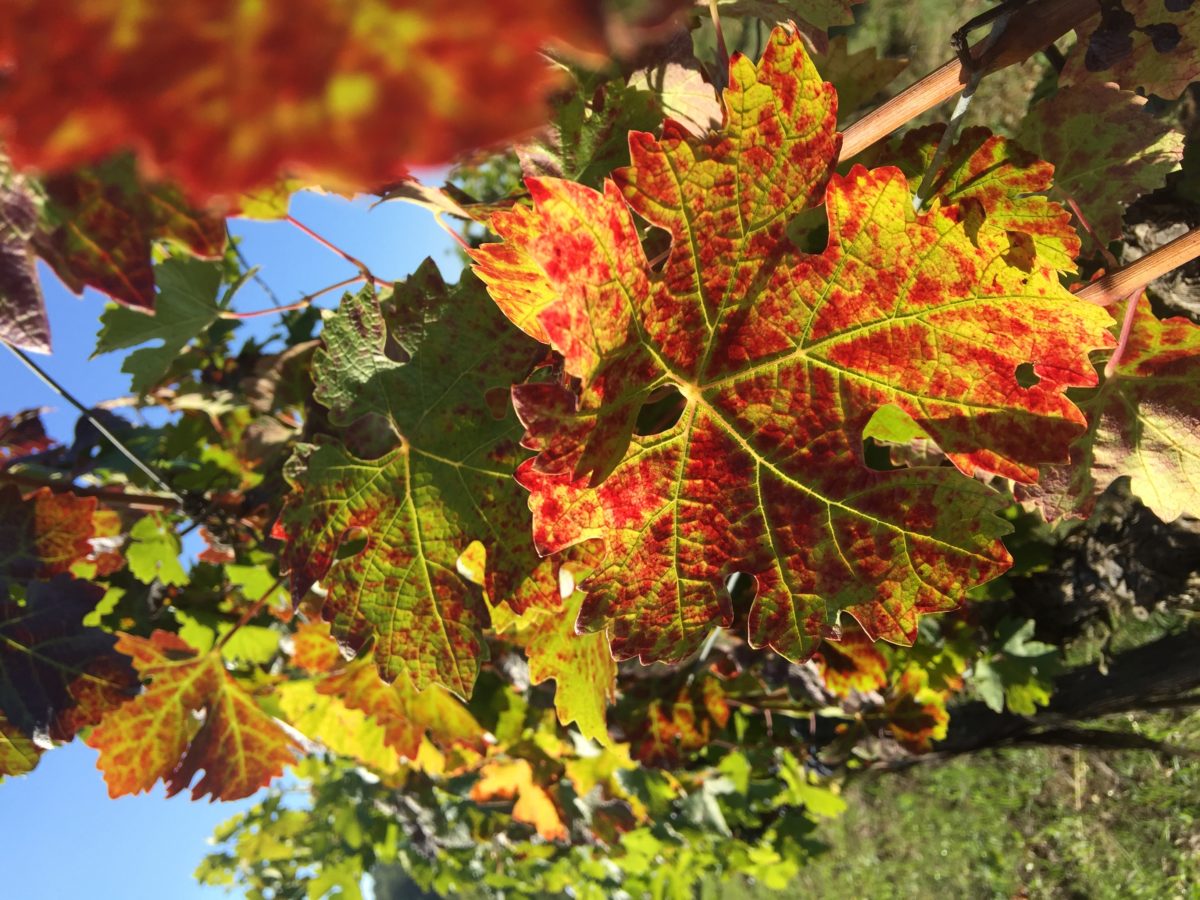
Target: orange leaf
<point>514,779</point>
<point>157,735</point>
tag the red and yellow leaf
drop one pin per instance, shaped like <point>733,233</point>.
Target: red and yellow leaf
<point>852,663</point>
<point>781,359</point>
<point>159,734</point>
<point>23,434</point>
<point>916,713</point>
<point>581,665</point>
<point>674,728</point>
<point>225,96</point>
<point>989,173</point>
<point>314,649</point>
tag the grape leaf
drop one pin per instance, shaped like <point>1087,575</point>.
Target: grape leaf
<point>18,753</point>
<point>1143,422</point>
<point>22,434</point>
<point>1106,149</point>
<point>153,552</point>
<point>852,663</point>
<point>916,713</point>
<point>186,305</point>
<point>159,735</point>
<point>99,224</point>
<point>405,715</point>
<point>1021,674</point>
<point>997,176</point>
<point>43,534</point>
<point>586,136</point>
<point>1140,44</point>
<point>677,82</point>
<point>56,675</point>
<point>23,321</point>
<point>313,649</point>
<point>224,97</point>
<point>345,731</point>
<point>581,665</point>
<point>444,478</point>
<point>513,779</point>
<point>673,728</point>
<point>781,359</point>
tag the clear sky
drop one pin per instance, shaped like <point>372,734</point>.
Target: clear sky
<point>61,837</point>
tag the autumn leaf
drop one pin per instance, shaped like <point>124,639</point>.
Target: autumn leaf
<point>581,665</point>
<point>990,173</point>
<point>224,97</point>
<point>780,359</point>
<point>513,779</point>
<point>915,712</point>
<point>1106,148</point>
<point>1143,422</point>
<point>344,731</point>
<point>313,649</point>
<point>23,321</point>
<point>56,675</point>
<point>22,434</point>
<point>673,728</point>
<point>18,753</point>
<point>852,663</point>
<point>405,715</point>
<point>1141,44</point>
<point>43,534</point>
<point>438,449</point>
<point>99,225</point>
<point>191,716</point>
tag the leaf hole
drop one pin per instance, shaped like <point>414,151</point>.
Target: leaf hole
<point>657,247</point>
<point>877,455</point>
<point>660,412</point>
<point>353,542</point>
<point>1025,375</point>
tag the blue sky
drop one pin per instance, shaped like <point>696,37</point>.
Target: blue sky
<point>61,837</point>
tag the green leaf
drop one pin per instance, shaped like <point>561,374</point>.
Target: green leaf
<point>441,447</point>
<point>186,306</point>
<point>1021,675</point>
<point>153,552</point>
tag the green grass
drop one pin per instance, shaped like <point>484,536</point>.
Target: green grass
<point>1030,822</point>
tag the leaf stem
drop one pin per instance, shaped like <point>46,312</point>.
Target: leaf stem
<point>304,301</point>
<point>109,494</point>
<point>329,245</point>
<point>1131,304</point>
<point>1109,259</point>
<point>249,614</point>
